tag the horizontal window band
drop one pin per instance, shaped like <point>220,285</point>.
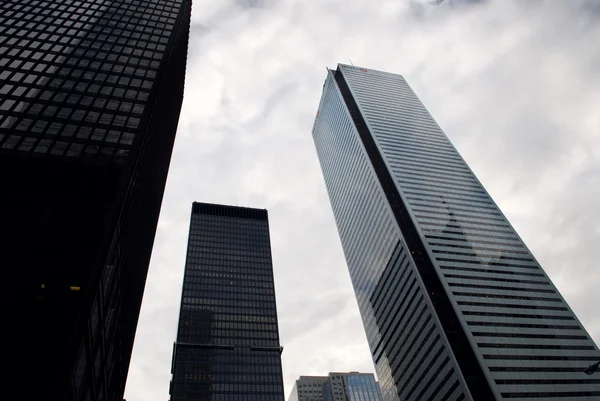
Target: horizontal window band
<point>439,154</point>
<point>467,234</point>
<point>461,217</point>
<point>538,346</point>
<point>491,271</point>
<point>495,279</point>
<point>419,145</point>
<point>558,394</point>
<point>547,381</point>
<point>500,296</point>
<point>473,246</point>
<point>515,306</point>
<point>399,167</point>
<point>540,358</point>
<point>500,288</point>
<point>518,315</point>
<point>445,204</point>
<point>525,335</point>
<point>464,228</point>
<point>491,263</point>
<point>533,369</point>
<point>524,325</point>
<point>476,255</point>
<point>449,192</point>
<point>474,243</point>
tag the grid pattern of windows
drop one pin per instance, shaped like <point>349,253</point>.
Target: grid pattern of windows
<point>228,340</point>
<point>351,386</point>
<point>310,388</point>
<point>76,76</point>
<point>409,347</point>
<point>528,342</point>
<point>90,95</point>
<point>354,387</point>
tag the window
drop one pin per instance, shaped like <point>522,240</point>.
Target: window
<point>98,134</point>
<point>59,148</point>
<point>30,78</point>
<point>27,144</point>
<point>42,146</point>
<point>24,124</point>
<point>54,129</point>
<point>69,130</point>
<point>7,105</point>
<point>5,89</point>
<point>16,76</point>
<point>75,150</point>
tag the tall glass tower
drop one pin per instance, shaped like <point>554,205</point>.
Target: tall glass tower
<point>227,346</point>
<point>90,95</point>
<point>454,305</point>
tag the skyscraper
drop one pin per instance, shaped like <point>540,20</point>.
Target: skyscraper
<point>351,386</point>
<point>90,95</point>
<point>227,346</point>
<point>454,305</point>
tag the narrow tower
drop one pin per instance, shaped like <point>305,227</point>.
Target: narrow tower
<point>227,344</point>
<point>454,305</point>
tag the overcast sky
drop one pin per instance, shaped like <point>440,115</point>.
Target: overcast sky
<point>515,85</point>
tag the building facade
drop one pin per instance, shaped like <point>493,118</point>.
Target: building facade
<point>336,386</point>
<point>454,305</point>
<point>310,388</point>
<point>227,346</point>
<point>90,95</point>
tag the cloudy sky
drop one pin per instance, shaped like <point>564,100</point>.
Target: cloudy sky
<point>515,85</point>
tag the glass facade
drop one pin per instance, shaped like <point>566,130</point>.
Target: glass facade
<point>408,344</point>
<point>227,345</point>
<point>351,386</point>
<point>511,334</point>
<point>90,94</point>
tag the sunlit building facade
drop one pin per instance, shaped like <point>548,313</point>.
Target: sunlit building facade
<point>454,305</point>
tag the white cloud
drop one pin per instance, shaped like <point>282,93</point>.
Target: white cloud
<point>515,85</point>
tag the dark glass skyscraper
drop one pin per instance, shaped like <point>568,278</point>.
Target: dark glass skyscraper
<point>351,386</point>
<point>90,95</point>
<point>227,346</point>
<point>454,305</point>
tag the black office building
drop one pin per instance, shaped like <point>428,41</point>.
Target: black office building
<point>90,95</point>
<point>454,305</point>
<point>227,346</point>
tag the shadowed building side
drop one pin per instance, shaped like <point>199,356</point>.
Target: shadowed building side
<point>90,95</point>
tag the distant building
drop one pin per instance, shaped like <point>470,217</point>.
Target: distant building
<point>310,388</point>
<point>352,386</point>
<point>227,346</point>
<point>454,305</point>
